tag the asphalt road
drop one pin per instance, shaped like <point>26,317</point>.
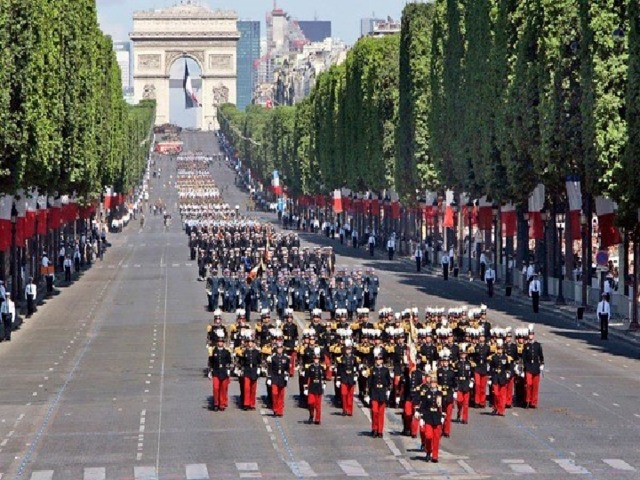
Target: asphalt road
<point>106,382</point>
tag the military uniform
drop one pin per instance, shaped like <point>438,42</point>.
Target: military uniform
<point>464,380</point>
<point>315,376</point>
<point>500,366</point>
<point>379,390</point>
<point>431,419</point>
<point>479,360</point>
<point>412,381</point>
<point>220,363</point>
<point>278,380</point>
<point>533,364</point>
<point>250,363</point>
<point>346,379</point>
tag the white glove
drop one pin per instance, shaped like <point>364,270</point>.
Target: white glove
<point>338,384</point>
<point>421,423</point>
<point>355,378</point>
<point>392,374</point>
<point>489,382</point>
<point>268,381</point>
<point>210,375</point>
<point>365,373</point>
<point>455,395</point>
<point>471,384</point>
<point>367,398</point>
<point>324,385</point>
<point>443,419</point>
<point>542,368</point>
<point>258,370</point>
<point>269,359</point>
<point>286,378</point>
<point>306,391</point>
<point>302,373</point>
<point>388,393</point>
<point>228,372</point>
<point>416,415</point>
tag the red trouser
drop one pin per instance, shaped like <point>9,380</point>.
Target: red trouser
<point>509,394</point>
<point>499,397</point>
<point>278,399</point>
<point>462,399</point>
<point>397,388</point>
<point>220,389</point>
<point>411,423</point>
<point>346,394</point>
<point>480,398</point>
<point>531,384</point>
<point>448,409</point>
<point>327,363</point>
<point>250,387</point>
<point>377,416</point>
<point>315,406</point>
<point>431,439</point>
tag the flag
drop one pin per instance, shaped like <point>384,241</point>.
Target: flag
<point>605,209</point>
<point>337,201</point>
<point>574,196</point>
<point>508,219</point>
<point>536,204</point>
<point>6,206</point>
<point>449,214</point>
<point>190,99</point>
<point>485,214</point>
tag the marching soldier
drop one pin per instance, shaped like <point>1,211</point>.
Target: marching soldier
<point>413,380</point>
<point>290,335</point>
<point>250,364</point>
<point>479,360</point>
<point>220,362</point>
<point>431,418</point>
<point>500,366</point>
<point>448,386</point>
<point>278,379</point>
<point>379,391</point>
<point>315,376</point>
<point>464,380</point>
<point>347,376</point>
<point>533,364</point>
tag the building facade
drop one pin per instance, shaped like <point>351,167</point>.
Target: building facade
<point>248,59</point>
<point>124,58</point>
<point>315,30</point>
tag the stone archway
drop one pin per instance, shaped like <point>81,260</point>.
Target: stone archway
<point>161,37</point>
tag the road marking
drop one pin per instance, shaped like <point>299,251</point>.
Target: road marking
<point>517,465</point>
<point>248,470</point>
<point>175,264</point>
<point>197,471</point>
<point>578,385</point>
<point>42,475</point>
<point>616,405</point>
<point>618,464</point>
<point>145,473</point>
<point>595,394</point>
<point>352,468</point>
<point>137,265</point>
<point>95,473</point>
<point>569,466</point>
<point>302,469</point>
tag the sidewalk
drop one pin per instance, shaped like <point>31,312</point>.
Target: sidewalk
<point>618,327</point>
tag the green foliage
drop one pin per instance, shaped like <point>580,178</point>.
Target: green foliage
<point>66,127</point>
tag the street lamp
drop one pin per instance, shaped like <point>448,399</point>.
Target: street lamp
<point>495,210</point>
<point>469,219</point>
<point>544,216</point>
<point>560,219</point>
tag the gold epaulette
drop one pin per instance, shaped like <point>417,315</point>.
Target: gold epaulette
<point>239,351</point>
<point>266,349</point>
<point>389,348</point>
<point>354,326</point>
<point>333,326</point>
<point>492,348</point>
<point>339,359</point>
<point>233,328</point>
<point>379,326</point>
<point>210,349</point>
<point>259,328</point>
<point>209,328</point>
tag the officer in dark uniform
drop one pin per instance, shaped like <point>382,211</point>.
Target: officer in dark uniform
<point>448,387</point>
<point>501,368</point>
<point>479,360</point>
<point>464,381</point>
<point>347,377</point>
<point>250,364</point>
<point>533,364</point>
<point>279,367</point>
<point>379,389</point>
<point>290,336</point>
<point>431,418</point>
<point>315,376</point>
<point>220,363</point>
<point>411,383</point>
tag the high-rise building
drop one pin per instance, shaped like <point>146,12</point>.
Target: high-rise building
<point>366,25</point>
<point>248,59</point>
<point>124,59</point>
<point>315,30</point>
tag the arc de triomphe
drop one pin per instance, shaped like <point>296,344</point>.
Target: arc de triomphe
<point>161,37</point>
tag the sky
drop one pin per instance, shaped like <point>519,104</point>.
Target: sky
<point>116,15</point>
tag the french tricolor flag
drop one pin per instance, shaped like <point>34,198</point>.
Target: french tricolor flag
<point>190,99</point>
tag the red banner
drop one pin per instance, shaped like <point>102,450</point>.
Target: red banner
<point>608,231</point>
<point>449,220</point>
<point>5,235</point>
<point>375,207</point>
<point>509,221</point>
<point>576,227</point>
<point>42,221</point>
<point>395,210</point>
<point>536,227</point>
